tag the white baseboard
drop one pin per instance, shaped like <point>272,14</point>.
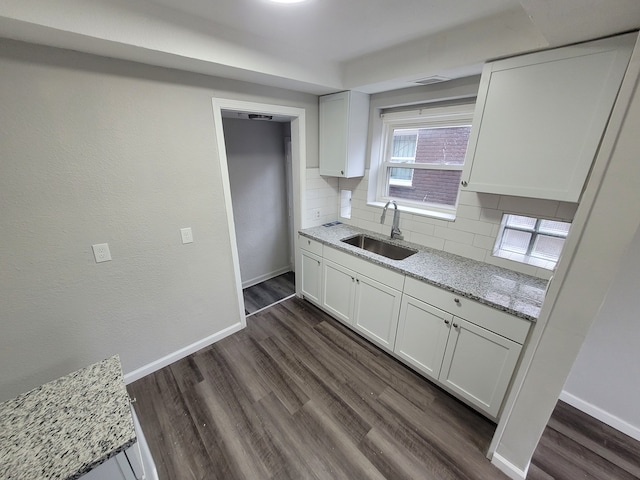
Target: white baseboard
<point>266,276</point>
<point>178,354</point>
<point>600,414</point>
<point>508,468</point>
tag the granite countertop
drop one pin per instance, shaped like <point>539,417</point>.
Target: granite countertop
<point>67,427</point>
<point>515,293</point>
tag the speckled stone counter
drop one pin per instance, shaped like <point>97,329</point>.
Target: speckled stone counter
<point>67,427</point>
<point>515,293</point>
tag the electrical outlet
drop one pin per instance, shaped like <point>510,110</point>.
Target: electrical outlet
<point>187,235</point>
<point>101,252</point>
<point>315,213</point>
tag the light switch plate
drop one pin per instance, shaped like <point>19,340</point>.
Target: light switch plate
<point>187,235</point>
<point>101,252</point>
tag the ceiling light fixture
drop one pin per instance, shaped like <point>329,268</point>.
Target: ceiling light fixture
<point>256,116</point>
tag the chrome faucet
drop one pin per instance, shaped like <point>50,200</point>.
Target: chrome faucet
<point>395,229</point>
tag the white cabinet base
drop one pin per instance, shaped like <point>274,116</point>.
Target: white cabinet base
<point>376,311</point>
<point>422,336</point>
<point>338,291</point>
<point>478,365</point>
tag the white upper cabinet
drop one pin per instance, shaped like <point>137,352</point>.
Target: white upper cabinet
<point>344,120</point>
<point>539,119</point>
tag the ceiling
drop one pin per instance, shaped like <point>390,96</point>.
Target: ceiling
<point>319,46</point>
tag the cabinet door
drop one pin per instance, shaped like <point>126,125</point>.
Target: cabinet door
<point>539,119</point>
<point>116,468</point>
<point>478,365</point>
<point>422,336</point>
<point>334,128</point>
<point>338,292</point>
<point>311,283</point>
<point>376,312</point>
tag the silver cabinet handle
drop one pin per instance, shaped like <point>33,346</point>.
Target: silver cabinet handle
<point>353,279</point>
<point>457,300</point>
<point>447,322</point>
<point>309,242</point>
<point>318,262</point>
<point>464,183</point>
<point>357,280</point>
<point>455,325</point>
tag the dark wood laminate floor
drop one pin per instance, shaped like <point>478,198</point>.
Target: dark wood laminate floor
<point>269,292</point>
<point>577,446</point>
<point>296,395</point>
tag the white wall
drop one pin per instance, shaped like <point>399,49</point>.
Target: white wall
<point>256,161</point>
<point>604,378</point>
<point>322,194</point>
<point>98,150</point>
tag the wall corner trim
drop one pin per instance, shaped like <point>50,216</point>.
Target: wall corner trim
<point>600,414</point>
<point>179,354</point>
<point>508,468</point>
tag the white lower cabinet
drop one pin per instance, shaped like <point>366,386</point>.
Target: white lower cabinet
<point>376,311</point>
<point>363,295</point>
<point>311,274</point>
<point>474,357</point>
<point>422,336</point>
<point>339,290</point>
<point>478,365</point>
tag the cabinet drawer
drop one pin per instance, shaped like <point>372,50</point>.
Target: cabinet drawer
<point>366,268</point>
<point>312,246</point>
<point>509,326</point>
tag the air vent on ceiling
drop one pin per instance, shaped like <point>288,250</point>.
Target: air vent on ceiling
<point>432,79</point>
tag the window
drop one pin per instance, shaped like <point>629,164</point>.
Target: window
<point>422,157</point>
<point>531,240</point>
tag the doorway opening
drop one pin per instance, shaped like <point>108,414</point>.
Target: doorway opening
<point>262,157</point>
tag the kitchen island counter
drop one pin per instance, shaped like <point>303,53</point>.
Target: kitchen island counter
<point>67,427</point>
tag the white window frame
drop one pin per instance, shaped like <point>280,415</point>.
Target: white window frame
<point>403,182</point>
<point>535,231</point>
<point>457,115</point>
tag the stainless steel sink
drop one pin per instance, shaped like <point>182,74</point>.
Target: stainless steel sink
<point>386,249</point>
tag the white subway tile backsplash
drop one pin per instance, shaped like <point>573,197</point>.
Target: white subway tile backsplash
<point>362,214</point>
<point>485,242</point>
<point>468,251</point>
<point>422,228</point>
<point>483,200</point>
<point>472,226</point>
<point>528,206</point>
<point>373,226</point>
<point>432,221</point>
<point>468,211</point>
<point>491,215</point>
<point>454,235</point>
<point>426,240</point>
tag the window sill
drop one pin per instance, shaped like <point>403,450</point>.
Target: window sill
<point>528,260</point>
<point>448,217</point>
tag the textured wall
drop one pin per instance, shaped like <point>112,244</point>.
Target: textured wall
<point>605,373</point>
<point>96,150</point>
<point>255,156</point>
